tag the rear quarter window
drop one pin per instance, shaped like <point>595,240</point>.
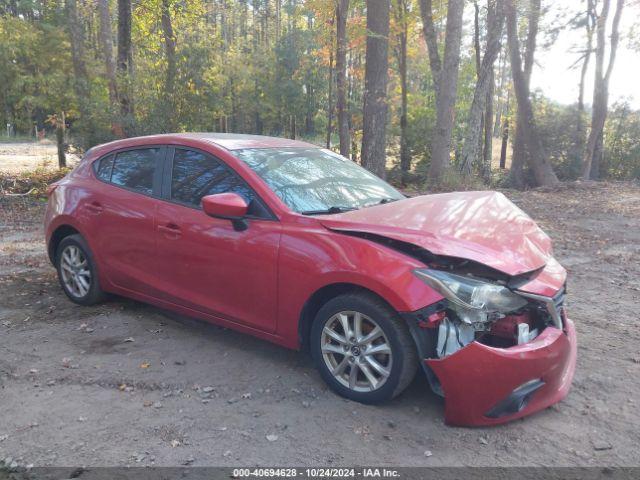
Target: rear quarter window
<point>103,168</point>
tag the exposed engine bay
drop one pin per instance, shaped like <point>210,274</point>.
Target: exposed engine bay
<point>487,311</point>
<point>454,333</point>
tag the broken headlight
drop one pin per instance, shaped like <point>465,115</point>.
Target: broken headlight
<point>473,300</point>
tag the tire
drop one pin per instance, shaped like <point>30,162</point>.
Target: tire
<point>85,288</point>
<point>329,354</point>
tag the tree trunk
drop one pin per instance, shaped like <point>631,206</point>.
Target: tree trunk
<point>601,87</point>
<point>473,138</point>
<point>106,44</point>
<point>501,105</point>
<point>342,12</point>
<point>330,101</point>
<point>505,144</point>
<point>374,113</point>
<point>257,119</point>
<point>170,79</point>
<point>292,127</point>
<point>80,81</point>
<point>431,38</point>
<point>62,159</point>
<point>401,12</point>
<point>125,63</point>
<point>309,123</point>
<point>598,155</point>
<point>579,142</point>
<point>520,154</point>
<point>538,160</point>
<point>488,130</point>
<point>476,36</point>
<point>447,92</point>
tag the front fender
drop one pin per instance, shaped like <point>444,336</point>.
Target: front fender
<point>311,259</point>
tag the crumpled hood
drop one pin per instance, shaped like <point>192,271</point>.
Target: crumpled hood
<point>485,227</point>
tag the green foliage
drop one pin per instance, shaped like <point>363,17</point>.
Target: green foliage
<point>622,143</point>
<point>261,67</point>
<point>558,125</point>
<point>35,72</point>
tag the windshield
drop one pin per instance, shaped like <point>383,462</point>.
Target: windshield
<point>314,180</point>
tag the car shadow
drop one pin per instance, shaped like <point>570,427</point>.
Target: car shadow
<point>418,394</point>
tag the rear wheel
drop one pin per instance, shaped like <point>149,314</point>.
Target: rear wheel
<point>362,348</point>
<point>77,271</point>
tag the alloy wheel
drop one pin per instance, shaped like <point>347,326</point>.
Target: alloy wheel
<point>75,271</point>
<point>356,351</point>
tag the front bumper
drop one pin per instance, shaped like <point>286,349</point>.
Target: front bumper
<point>478,378</point>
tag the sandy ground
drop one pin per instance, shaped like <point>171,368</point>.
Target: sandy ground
<point>20,157</point>
<point>127,384</point>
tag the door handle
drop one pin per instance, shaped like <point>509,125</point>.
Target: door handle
<point>170,230</point>
<point>94,207</point>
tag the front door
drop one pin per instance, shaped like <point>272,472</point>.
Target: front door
<point>205,264</point>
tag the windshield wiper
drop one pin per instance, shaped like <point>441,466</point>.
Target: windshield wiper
<point>328,211</point>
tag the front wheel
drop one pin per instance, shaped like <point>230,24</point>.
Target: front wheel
<point>363,349</point>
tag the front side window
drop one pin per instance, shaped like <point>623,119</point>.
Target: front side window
<point>195,175</point>
<point>314,180</point>
<point>135,169</point>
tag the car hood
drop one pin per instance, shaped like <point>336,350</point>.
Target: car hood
<point>484,227</point>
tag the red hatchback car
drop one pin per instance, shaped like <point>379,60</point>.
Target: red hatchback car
<point>302,247</point>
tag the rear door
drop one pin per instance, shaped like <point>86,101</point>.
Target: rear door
<point>123,211</point>
<point>203,262</point>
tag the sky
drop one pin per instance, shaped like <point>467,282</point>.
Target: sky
<point>558,81</point>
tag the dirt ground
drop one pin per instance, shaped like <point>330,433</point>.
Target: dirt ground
<point>128,384</point>
<point>20,157</point>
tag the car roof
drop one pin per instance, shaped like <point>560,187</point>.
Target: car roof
<point>229,141</point>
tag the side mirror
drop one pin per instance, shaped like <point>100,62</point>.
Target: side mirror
<point>229,206</point>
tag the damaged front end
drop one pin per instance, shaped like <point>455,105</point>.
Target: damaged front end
<point>494,352</point>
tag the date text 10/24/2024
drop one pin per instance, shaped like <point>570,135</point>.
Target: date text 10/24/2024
<point>316,472</point>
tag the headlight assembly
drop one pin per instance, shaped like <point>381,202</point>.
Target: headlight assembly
<point>472,297</point>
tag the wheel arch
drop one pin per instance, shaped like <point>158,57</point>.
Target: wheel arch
<point>321,296</point>
<point>61,232</point>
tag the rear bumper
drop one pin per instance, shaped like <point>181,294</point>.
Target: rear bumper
<point>478,380</point>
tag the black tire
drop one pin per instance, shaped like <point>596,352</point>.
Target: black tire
<point>403,359</point>
<point>94,293</point>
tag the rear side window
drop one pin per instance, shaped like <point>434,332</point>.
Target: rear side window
<point>195,175</point>
<point>135,169</point>
<point>103,168</point>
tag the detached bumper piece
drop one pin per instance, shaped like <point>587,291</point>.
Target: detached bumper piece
<point>485,385</point>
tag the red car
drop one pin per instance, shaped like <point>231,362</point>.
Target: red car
<point>299,246</point>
